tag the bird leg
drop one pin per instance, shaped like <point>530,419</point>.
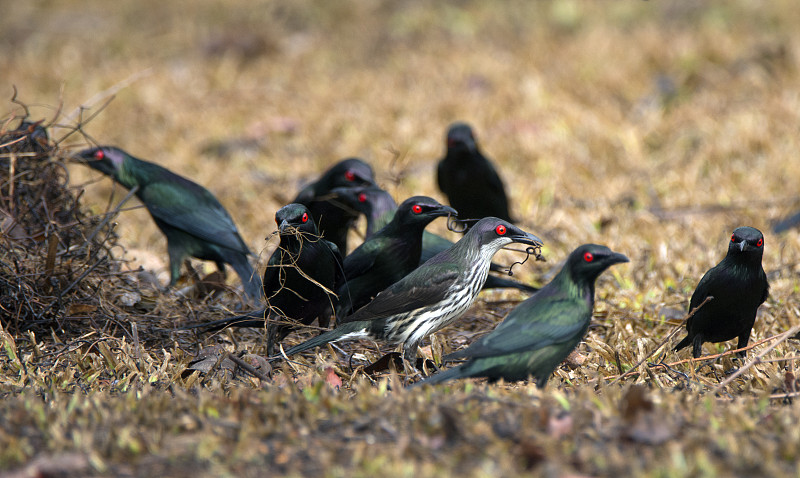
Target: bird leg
<point>221,268</point>
<point>410,350</point>
<point>743,340</point>
<point>697,345</point>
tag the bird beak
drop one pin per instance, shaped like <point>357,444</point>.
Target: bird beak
<point>446,211</point>
<point>525,238</point>
<point>617,258</point>
<point>283,226</point>
<point>742,245</point>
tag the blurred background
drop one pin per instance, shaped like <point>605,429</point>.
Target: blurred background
<point>620,123</point>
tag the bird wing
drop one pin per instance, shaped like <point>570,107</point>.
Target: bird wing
<point>531,327</point>
<point>700,293</point>
<point>195,211</point>
<point>763,280</point>
<point>421,288</point>
<point>362,259</point>
<point>492,178</point>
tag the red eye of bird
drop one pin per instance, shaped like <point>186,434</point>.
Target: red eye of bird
<point>500,230</point>
<point>760,242</point>
<point>362,197</point>
<point>349,175</point>
<point>416,208</point>
<point>304,217</point>
<point>733,237</point>
<point>99,154</point>
<point>588,257</point>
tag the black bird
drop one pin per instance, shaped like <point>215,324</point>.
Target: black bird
<point>299,280</point>
<point>738,286</point>
<point>542,331</point>
<point>468,178</point>
<point>430,297</point>
<point>191,218</point>
<point>388,255</point>
<point>379,207</point>
<point>333,218</point>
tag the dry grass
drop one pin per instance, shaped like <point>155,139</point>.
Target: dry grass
<point>652,127</point>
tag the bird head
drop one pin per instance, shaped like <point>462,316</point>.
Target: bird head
<point>492,234</point>
<point>460,138</point>
<point>106,159</point>
<point>362,198</point>
<point>747,241</point>
<point>587,262</point>
<point>295,218</point>
<point>346,173</point>
<point>421,210</point>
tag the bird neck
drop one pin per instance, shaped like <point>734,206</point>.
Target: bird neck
<point>574,287</point>
<point>135,172</point>
<point>383,210</point>
<point>743,262</point>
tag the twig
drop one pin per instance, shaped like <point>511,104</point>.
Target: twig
<point>111,214</point>
<point>108,92</point>
<point>663,342</point>
<point>704,358</point>
<point>757,359</point>
<point>785,395</point>
<point>249,368</point>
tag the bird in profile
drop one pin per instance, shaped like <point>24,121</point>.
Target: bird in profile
<point>738,286</point>
<point>333,218</point>
<point>192,219</point>
<point>469,179</point>
<point>299,281</point>
<point>432,296</point>
<point>378,207</point>
<point>389,254</point>
<point>543,330</point>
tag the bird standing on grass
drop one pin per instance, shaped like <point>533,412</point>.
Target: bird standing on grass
<point>542,331</point>
<point>379,208</point>
<point>333,218</point>
<point>299,280</point>
<point>388,255</point>
<point>468,178</point>
<point>738,286</point>
<point>191,218</point>
<point>430,297</point>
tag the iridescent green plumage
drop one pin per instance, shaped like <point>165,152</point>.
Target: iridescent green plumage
<point>540,332</point>
<point>192,219</point>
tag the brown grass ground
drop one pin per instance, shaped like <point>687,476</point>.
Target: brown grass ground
<point>652,127</point>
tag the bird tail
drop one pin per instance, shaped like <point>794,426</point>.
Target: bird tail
<point>352,329</point>
<point>494,282</point>
<point>687,341</point>
<point>250,319</point>
<point>250,280</point>
<point>449,374</point>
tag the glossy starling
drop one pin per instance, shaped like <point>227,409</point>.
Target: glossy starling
<point>468,178</point>
<point>299,280</point>
<point>541,331</point>
<point>430,297</point>
<point>333,218</point>
<point>389,254</point>
<point>378,207</point>
<point>191,218</point>
<point>738,286</point>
